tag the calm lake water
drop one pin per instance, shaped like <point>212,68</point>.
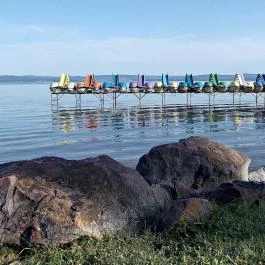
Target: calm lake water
<point>30,127</point>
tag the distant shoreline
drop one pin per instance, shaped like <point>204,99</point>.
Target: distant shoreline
<point>32,79</point>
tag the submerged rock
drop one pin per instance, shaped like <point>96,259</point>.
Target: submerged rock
<point>196,161</point>
<point>56,200</point>
<point>189,210</point>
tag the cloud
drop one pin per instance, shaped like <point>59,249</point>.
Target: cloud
<point>11,33</point>
<point>15,31</point>
<point>132,55</point>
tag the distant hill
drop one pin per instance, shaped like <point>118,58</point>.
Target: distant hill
<point>28,79</point>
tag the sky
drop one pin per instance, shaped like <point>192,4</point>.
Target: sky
<point>131,36</point>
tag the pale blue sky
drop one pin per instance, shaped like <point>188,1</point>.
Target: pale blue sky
<point>48,37</point>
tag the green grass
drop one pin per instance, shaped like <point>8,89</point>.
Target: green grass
<point>235,234</point>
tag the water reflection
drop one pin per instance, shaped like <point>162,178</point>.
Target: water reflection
<point>189,119</point>
<point>65,120</point>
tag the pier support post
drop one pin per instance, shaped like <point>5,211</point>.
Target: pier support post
<point>240,96</point>
<point>51,101</point>
<point>214,94</point>
<point>140,99</point>
<point>114,99</point>
<point>78,101</point>
<point>102,101</point>
<point>163,98</point>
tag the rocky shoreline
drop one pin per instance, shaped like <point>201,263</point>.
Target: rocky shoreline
<point>55,200</point>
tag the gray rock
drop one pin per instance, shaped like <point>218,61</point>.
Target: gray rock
<point>196,161</point>
<point>166,193</point>
<point>182,191</point>
<point>56,200</point>
<point>189,210</point>
<point>258,175</point>
<point>237,191</point>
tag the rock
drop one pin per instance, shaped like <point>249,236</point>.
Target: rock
<point>196,161</point>
<point>163,196</point>
<point>237,191</point>
<point>258,175</point>
<point>56,200</point>
<point>189,210</point>
<point>184,192</point>
<point>168,192</point>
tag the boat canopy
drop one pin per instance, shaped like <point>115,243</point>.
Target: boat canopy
<point>140,81</point>
<point>115,80</point>
<point>67,80</point>
<point>62,80</point>
<point>89,80</point>
<point>189,79</point>
<point>165,81</point>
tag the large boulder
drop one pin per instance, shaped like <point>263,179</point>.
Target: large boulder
<point>56,200</point>
<point>196,161</point>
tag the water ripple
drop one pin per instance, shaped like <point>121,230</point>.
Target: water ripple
<point>30,128</point>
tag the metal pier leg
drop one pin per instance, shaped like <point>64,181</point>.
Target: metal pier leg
<point>53,104</point>
<point>78,101</point>
<point>103,101</point>
<point>114,99</point>
<point>233,99</point>
<point>187,99</point>
<point>256,99</point>
<point>163,99</point>
<point>209,99</point>
<point>113,103</point>
<point>100,101</point>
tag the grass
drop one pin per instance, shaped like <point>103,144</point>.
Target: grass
<point>235,234</point>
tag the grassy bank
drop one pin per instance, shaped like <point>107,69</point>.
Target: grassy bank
<point>235,234</point>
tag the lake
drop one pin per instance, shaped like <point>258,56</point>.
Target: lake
<point>31,127</point>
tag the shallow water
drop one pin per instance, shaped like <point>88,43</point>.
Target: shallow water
<point>30,127</point>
